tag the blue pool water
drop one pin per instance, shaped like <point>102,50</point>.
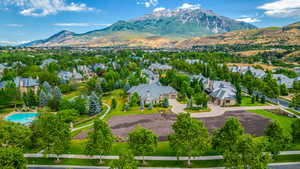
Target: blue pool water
<point>23,118</point>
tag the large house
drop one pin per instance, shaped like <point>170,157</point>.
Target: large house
<point>152,77</point>
<point>66,76</point>
<point>27,83</point>
<point>47,62</point>
<point>257,73</point>
<point>221,93</point>
<point>159,67</point>
<point>153,93</point>
<point>282,79</point>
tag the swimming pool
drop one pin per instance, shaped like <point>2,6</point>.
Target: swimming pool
<point>23,118</point>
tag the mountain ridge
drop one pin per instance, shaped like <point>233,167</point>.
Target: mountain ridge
<point>167,26</point>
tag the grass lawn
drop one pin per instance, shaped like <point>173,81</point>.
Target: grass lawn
<point>247,101</point>
<point>121,100</point>
<point>76,92</point>
<point>202,110</point>
<point>283,120</point>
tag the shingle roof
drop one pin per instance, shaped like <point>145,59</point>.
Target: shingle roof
<point>282,79</point>
<point>26,82</point>
<point>151,91</point>
<point>153,78</point>
<point>224,92</point>
<point>160,67</point>
<point>47,62</point>
<point>66,75</point>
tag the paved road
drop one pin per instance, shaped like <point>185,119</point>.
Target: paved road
<point>215,109</point>
<point>272,166</point>
<point>102,117</point>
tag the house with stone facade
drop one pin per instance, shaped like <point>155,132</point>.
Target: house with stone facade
<point>153,93</point>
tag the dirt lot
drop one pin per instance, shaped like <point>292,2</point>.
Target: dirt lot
<point>161,124</point>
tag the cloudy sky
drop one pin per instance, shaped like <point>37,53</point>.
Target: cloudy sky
<point>27,20</point>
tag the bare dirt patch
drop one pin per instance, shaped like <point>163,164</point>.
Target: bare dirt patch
<point>161,124</point>
<point>254,124</point>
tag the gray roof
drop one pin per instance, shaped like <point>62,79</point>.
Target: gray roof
<point>66,75</point>
<point>26,82</point>
<point>151,91</point>
<point>98,66</point>
<point>152,77</point>
<point>47,62</point>
<point>192,61</point>
<point>160,67</point>
<point>282,79</point>
<point>224,92</point>
<point>2,84</point>
<point>258,73</point>
<point>2,67</point>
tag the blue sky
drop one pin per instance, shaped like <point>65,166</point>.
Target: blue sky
<point>27,20</point>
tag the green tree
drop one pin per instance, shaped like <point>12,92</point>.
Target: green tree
<point>190,137</point>
<point>68,115</point>
<point>114,103</point>
<point>246,154</point>
<point>189,104</point>
<point>80,104</point>
<point>227,136</point>
<point>126,161</point>
<point>165,103</point>
<point>12,158</point>
<point>14,134</point>
<point>238,94</point>
<point>94,104</point>
<point>142,105</point>
<point>100,140</point>
<point>98,88</point>
<point>51,133</point>
<point>142,141</point>
<point>295,101</point>
<point>283,90</point>
<point>278,140</point>
<point>43,99</point>
<point>295,130</point>
<point>30,99</point>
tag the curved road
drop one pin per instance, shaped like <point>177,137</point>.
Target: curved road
<point>102,117</point>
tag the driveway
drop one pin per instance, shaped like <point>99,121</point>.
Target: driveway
<point>215,109</point>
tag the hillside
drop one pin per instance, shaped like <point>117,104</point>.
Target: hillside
<point>288,35</point>
<point>159,29</point>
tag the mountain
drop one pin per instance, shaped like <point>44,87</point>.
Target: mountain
<point>159,29</point>
<point>287,35</point>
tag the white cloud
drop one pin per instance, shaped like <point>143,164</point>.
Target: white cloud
<point>148,3</point>
<point>14,25</point>
<point>248,20</point>
<point>45,7</point>
<point>12,43</point>
<point>282,8</point>
<point>79,24</point>
<point>159,9</point>
<point>186,6</point>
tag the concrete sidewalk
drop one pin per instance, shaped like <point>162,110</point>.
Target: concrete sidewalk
<point>294,165</point>
<point>148,158</point>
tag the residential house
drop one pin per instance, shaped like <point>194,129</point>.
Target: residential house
<point>152,77</point>
<point>257,73</point>
<point>159,67</point>
<point>153,93</point>
<point>223,95</point>
<point>85,70</point>
<point>98,66</point>
<point>66,76</point>
<point>2,68</point>
<point>27,83</point>
<point>192,61</point>
<point>282,79</point>
<point>47,62</point>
